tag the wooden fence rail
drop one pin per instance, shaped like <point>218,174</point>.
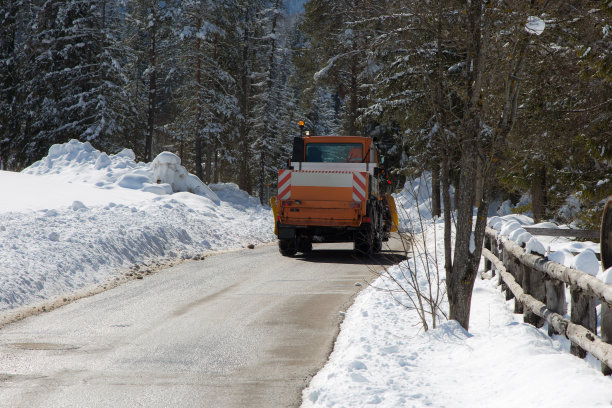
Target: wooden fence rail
<point>538,286</point>
<point>562,232</point>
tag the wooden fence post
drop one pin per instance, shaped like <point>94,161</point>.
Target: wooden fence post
<point>505,258</point>
<point>487,244</point>
<point>606,332</point>
<point>555,300</point>
<point>606,262</point>
<point>516,269</point>
<point>583,313</point>
<point>495,251</point>
<point>606,235</point>
<point>537,289</point>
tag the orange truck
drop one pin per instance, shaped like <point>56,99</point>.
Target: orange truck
<point>333,189</point>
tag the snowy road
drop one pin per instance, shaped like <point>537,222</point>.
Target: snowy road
<point>246,328</point>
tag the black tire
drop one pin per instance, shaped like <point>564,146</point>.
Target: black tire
<point>304,245</point>
<point>364,241</point>
<point>378,240</point>
<point>287,247</point>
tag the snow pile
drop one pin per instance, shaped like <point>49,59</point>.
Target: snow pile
<point>381,358</point>
<point>80,162</point>
<point>534,246</point>
<point>414,203</point>
<point>167,169</point>
<point>587,262</point>
<point>78,216</point>
<point>606,276</point>
<point>229,192</point>
<point>535,25</point>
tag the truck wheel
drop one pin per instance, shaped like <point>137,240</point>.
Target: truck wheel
<point>378,240</point>
<point>304,245</point>
<point>364,241</point>
<point>287,247</point>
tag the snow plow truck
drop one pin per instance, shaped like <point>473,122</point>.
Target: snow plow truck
<point>333,189</point>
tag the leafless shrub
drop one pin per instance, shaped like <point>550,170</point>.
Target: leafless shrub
<point>418,283</point>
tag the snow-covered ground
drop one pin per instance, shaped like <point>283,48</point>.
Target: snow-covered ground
<point>80,218</point>
<point>383,358</point>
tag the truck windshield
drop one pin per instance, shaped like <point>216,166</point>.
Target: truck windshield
<point>334,152</point>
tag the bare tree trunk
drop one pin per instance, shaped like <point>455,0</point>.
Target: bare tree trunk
<point>209,160</point>
<point>435,189</point>
<point>152,96</point>
<point>211,147</point>
<point>216,168</point>
<point>479,181</point>
<point>463,272</point>
<point>538,194</point>
<point>352,128</point>
<point>198,81</point>
<point>461,282</point>
<point>446,200</point>
<point>182,150</point>
<point>244,179</point>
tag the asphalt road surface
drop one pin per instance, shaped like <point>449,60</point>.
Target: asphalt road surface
<point>239,329</point>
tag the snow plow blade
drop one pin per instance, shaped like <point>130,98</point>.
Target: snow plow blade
<point>393,210</point>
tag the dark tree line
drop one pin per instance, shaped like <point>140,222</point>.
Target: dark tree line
<point>206,79</point>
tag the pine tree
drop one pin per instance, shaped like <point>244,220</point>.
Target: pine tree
<point>269,99</point>
<point>13,15</point>
<point>153,82</point>
<point>63,75</point>
<point>207,92</point>
<point>337,53</point>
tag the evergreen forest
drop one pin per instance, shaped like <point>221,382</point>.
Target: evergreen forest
<point>497,98</point>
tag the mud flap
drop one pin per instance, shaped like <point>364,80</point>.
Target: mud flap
<point>286,233</point>
<point>274,212</point>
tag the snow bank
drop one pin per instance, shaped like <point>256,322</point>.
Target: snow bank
<point>229,192</point>
<point>78,216</point>
<point>414,203</point>
<point>167,169</point>
<point>80,162</point>
<point>381,358</point>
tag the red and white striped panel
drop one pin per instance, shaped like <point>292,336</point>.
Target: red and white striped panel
<point>284,184</point>
<point>359,186</point>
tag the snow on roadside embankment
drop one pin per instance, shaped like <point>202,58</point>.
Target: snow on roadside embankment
<point>382,358</point>
<point>78,216</point>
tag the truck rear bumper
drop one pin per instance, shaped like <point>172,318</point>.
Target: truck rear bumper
<point>318,233</point>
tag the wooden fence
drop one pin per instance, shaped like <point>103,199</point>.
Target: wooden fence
<point>538,287</point>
